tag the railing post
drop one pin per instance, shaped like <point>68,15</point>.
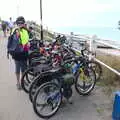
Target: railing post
<point>92,45</point>
<point>90,48</point>
<point>71,33</point>
<point>71,37</point>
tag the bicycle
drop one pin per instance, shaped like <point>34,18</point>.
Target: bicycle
<point>61,86</point>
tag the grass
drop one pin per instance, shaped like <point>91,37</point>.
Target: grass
<point>110,80</point>
<point>99,110</point>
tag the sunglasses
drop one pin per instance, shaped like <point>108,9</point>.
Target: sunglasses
<point>20,23</point>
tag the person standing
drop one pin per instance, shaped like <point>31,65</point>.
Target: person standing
<point>20,58</point>
<point>11,25</point>
<point>4,28</point>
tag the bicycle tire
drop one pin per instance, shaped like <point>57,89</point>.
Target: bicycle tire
<point>35,98</point>
<point>81,91</point>
<point>27,81</point>
<point>98,71</point>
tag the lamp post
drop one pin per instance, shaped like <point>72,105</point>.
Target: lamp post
<point>17,10</point>
<point>41,26</point>
<point>18,7</point>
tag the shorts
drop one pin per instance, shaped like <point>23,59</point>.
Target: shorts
<point>20,66</point>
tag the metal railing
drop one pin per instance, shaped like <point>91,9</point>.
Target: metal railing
<point>92,45</point>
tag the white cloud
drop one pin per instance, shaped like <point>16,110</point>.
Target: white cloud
<point>73,12</point>
<point>57,13</point>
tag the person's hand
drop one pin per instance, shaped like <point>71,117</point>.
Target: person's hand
<point>17,33</point>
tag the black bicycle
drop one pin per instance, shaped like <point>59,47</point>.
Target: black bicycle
<point>60,84</point>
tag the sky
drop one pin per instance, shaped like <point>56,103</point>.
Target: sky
<point>98,17</point>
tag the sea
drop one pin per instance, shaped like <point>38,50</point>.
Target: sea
<point>105,33</point>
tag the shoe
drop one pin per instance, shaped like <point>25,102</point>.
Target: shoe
<point>18,86</point>
<point>63,103</point>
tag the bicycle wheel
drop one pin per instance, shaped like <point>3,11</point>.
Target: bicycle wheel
<point>51,96</point>
<point>27,78</point>
<point>35,84</point>
<point>85,81</point>
<point>97,68</point>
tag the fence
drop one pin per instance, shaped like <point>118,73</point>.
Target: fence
<point>93,41</point>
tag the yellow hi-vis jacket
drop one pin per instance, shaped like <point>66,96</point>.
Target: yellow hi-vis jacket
<point>24,36</point>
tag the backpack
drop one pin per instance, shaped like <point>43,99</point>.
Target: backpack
<point>13,46</point>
